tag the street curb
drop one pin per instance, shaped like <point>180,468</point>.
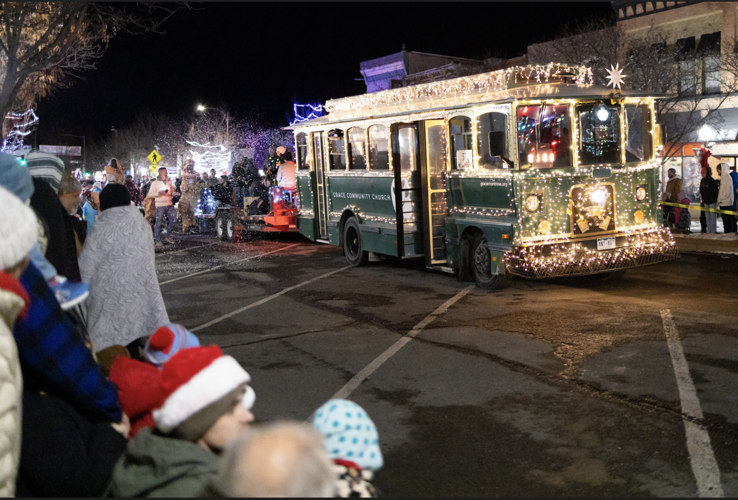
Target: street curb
<point>706,245</point>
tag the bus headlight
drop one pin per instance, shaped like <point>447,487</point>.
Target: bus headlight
<point>599,196</point>
<point>532,203</point>
<point>641,193</point>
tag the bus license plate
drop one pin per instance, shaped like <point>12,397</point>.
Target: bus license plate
<point>605,243</point>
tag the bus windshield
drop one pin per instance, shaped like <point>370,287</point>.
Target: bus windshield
<point>599,137</point>
<point>544,136</point>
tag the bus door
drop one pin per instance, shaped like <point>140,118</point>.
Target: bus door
<point>321,210</point>
<point>435,206</point>
<point>406,190</point>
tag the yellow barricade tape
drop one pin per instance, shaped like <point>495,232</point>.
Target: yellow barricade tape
<point>697,207</point>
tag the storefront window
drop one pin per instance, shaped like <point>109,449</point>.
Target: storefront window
<point>691,177</point>
<point>544,136</point>
<point>378,147</point>
<point>357,148</point>
<point>599,134</point>
<point>460,128</point>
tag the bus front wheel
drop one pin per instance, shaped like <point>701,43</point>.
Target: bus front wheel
<point>352,245</point>
<point>481,266</point>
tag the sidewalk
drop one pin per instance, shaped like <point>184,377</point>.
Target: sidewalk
<point>707,243</point>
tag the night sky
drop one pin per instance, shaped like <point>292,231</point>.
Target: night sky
<point>261,55</point>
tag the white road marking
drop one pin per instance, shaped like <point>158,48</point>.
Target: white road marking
<point>357,379</point>
<point>266,299</point>
<point>701,455</point>
<point>227,264</point>
<point>188,248</point>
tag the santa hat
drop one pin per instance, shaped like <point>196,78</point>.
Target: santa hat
<point>200,385</point>
<point>168,341</point>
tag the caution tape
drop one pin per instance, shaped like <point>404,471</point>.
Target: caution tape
<point>695,207</point>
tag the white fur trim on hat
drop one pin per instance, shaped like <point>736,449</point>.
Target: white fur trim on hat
<point>209,385</point>
<point>18,230</point>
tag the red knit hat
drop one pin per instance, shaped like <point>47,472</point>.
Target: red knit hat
<point>194,379</point>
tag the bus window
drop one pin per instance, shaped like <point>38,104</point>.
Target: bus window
<point>638,133</point>
<point>492,147</point>
<point>544,136</point>
<point>336,150</point>
<point>356,144</point>
<point>460,130</point>
<point>303,161</point>
<point>599,130</point>
<point>408,146</point>
<point>378,147</point>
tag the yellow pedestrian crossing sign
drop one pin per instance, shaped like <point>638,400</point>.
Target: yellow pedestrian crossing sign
<point>154,157</point>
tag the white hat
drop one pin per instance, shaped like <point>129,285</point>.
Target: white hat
<point>18,230</point>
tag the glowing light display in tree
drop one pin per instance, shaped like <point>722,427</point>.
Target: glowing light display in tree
<point>22,124</point>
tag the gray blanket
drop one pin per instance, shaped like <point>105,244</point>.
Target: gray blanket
<point>117,261</point>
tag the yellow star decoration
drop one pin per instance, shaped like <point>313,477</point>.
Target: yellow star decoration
<point>615,75</point>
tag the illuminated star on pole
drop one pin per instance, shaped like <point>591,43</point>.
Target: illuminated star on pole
<point>615,75</point>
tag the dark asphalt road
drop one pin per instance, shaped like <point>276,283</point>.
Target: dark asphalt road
<point>549,388</point>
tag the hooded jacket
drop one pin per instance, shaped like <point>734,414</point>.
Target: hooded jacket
<point>726,194</point>
<point>160,466</point>
<point>13,303</point>
<point>117,261</point>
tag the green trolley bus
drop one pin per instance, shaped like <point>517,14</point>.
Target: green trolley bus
<point>530,171</point>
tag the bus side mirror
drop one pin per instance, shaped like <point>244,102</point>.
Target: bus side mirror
<point>658,136</point>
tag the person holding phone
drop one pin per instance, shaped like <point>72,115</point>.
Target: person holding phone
<point>161,191</point>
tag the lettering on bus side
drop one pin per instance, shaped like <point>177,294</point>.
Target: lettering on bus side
<point>495,183</point>
<point>362,196</point>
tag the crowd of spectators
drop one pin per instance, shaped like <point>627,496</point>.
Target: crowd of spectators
<point>103,396</point>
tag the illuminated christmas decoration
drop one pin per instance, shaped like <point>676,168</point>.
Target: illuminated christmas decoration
<point>22,126</point>
<point>209,156</point>
<point>305,112</point>
<point>615,76</point>
<point>205,203</point>
<point>416,97</point>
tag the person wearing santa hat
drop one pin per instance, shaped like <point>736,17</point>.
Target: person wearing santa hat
<point>205,400</point>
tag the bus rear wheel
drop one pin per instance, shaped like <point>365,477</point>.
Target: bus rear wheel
<point>352,245</point>
<point>481,266</point>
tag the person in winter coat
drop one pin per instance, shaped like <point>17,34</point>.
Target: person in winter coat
<point>133,190</point>
<point>125,305</point>
<point>683,217</point>
<point>17,238</point>
<point>671,194</point>
<point>709,198</point>
<point>205,402</point>
<point>726,197</point>
<point>190,191</point>
<point>161,191</point>
<point>351,440</point>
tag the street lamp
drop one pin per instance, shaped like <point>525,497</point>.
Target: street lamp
<point>202,109</point>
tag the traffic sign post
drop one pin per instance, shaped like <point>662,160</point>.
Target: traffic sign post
<point>154,157</point>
